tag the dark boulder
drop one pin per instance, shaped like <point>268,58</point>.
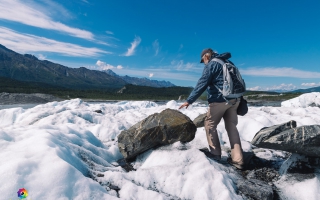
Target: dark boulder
<point>303,140</point>
<point>158,129</point>
<point>255,189</point>
<point>199,121</point>
<point>268,132</point>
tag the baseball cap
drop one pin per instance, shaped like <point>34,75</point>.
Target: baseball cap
<point>204,51</point>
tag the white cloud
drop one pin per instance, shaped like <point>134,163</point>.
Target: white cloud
<point>279,72</point>
<point>156,47</point>
<point>256,88</point>
<point>42,57</point>
<point>310,84</point>
<point>26,43</point>
<point>283,86</point>
<point>134,45</point>
<point>103,65</point>
<point>109,32</point>
<point>32,14</point>
<point>150,75</point>
<point>100,65</point>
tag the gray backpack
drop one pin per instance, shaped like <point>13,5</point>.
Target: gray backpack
<point>233,84</point>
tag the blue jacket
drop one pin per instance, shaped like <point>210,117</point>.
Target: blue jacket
<point>212,75</point>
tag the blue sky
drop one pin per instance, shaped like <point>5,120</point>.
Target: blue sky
<point>275,44</point>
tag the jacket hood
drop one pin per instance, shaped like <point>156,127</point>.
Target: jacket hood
<point>223,56</point>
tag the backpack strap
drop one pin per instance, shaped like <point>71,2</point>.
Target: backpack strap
<point>222,63</point>
<point>218,61</point>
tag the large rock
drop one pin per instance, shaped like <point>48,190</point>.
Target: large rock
<point>302,140</point>
<point>199,121</point>
<point>268,132</point>
<point>158,129</point>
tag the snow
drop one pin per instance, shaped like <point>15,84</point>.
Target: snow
<point>301,190</point>
<point>56,150</point>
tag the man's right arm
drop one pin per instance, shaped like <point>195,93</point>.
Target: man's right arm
<point>202,84</point>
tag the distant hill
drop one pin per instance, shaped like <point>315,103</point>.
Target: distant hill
<point>315,89</point>
<point>281,91</point>
<point>28,68</point>
<point>141,81</point>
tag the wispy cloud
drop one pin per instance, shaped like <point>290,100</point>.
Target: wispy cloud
<point>133,47</point>
<point>151,75</point>
<point>180,65</point>
<point>109,32</point>
<point>100,65</point>
<point>279,72</point>
<point>156,47</point>
<point>283,86</point>
<point>32,14</point>
<point>310,84</point>
<point>181,47</point>
<point>26,43</point>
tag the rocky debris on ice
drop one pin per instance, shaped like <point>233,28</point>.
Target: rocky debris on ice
<point>255,189</point>
<point>21,98</point>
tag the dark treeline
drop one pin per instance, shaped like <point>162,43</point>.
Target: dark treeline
<point>131,92</point>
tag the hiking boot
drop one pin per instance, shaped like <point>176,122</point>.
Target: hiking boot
<point>235,164</point>
<point>210,155</point>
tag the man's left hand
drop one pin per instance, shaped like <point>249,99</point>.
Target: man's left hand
<point>186,104</point>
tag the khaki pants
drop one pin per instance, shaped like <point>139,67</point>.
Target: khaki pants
<point>216,112</point>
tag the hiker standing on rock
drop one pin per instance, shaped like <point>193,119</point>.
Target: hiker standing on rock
<point>219,106</point>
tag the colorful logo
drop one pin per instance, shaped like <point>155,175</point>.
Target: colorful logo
<point>22,193</point>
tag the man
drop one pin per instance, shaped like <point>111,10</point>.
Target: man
<point>218,108</point>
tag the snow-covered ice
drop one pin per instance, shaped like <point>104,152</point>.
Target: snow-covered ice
<point>303,101</point>
<point>65,150</point>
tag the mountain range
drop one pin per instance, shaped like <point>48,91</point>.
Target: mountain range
<point>29,68</point>
<point>141,81</point>
<point>314,89</point>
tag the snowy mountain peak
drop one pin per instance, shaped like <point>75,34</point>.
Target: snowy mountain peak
<point>110,72</point>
